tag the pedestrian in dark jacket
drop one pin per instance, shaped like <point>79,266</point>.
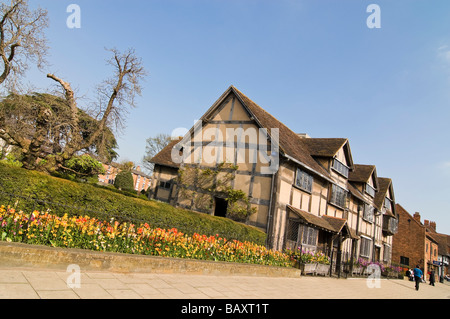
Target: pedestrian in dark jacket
<point>418,274</point>
<point>432,273</point>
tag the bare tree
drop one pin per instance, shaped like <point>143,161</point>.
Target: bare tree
<point>153,146</point>
<point>22,39</point>
<point>116,94</point>
<point>55,130</point>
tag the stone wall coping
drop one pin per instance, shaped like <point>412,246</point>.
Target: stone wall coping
<point>56,258</point>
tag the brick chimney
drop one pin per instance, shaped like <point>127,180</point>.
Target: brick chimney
<point>426,222</point>
<point>417,216</point>
<point>433,225</point>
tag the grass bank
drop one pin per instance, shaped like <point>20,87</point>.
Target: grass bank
<point>30,190</point>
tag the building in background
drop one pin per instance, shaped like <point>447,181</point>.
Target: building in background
<point>418,243</point>
<point>443,252</point>
<point>141,181</point>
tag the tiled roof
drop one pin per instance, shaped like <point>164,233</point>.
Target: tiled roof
<point>164,157</point>
<point>328,223</point>
<point>327,147</point>
<point>355,192</point>
<point>361,173</point>
<point>383,187</point>
<point>290,143</point>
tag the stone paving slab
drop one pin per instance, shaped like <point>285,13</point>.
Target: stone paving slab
<point>25,283</point>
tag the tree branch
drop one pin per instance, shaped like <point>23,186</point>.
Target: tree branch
<point>70,97</point>
<point>71,170</point>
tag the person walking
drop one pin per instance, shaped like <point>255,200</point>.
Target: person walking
<point>411,274</point>
<point>418,274</point>
<point>432,273</point>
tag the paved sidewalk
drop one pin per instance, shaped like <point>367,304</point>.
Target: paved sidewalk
<point>21,283</point>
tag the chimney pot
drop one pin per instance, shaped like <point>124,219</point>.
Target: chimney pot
<point>417,216</point>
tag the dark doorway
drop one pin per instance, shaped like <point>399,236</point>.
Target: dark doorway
<point>377,253</point>
<point>221,206</point>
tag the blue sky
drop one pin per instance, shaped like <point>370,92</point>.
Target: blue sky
<point>315,65</point>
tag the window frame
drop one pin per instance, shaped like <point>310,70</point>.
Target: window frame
<point>403,258</point>
<point>387,248</point>
<point>334,200</point>
<point>370,190</point>
<point>337,166</point>
<point>370,218</point>
<point>165,184</point>
<point>366,244</point>
<point>311,235</point>
<point>388,200</point>
<point>305,177</point>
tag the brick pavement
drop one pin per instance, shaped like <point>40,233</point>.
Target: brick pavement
<point>23,283</point>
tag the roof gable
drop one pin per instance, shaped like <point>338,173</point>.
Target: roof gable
<point>366,174</point>
<point>329,147</point>
<point>400,210</point>
<point>290,143</point>
<point>164,157</point>
<point>384,186</point>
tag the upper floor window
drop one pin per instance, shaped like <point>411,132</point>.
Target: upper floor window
<point>338,196</point>
<point>340,167</point>
<point>370,190</point>
<point>369,213</point>
<point>404,261</point>
<point>304,180</point>
<point>388,204</point>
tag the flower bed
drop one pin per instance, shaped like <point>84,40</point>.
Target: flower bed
<point>43,228</point>
<point>361,268</point>
<point>310,262</point>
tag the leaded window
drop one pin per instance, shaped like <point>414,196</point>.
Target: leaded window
<point>340,167</point>
<point>366,243</point>
<point>369,213</point>
<point>309,236</point>
<point>304,180</point>
<point>338,196</point>
<point>370,190</point>
<point>387,253</point>
<point>388,204</point>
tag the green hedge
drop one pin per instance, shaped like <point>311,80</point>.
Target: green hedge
<point>27,190</point>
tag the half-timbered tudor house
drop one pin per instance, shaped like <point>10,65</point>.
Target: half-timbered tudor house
<point>306,192</point>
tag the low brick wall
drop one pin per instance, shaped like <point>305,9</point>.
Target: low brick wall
<point>22,255</point>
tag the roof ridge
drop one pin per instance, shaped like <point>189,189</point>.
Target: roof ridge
<point>334,217</point>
